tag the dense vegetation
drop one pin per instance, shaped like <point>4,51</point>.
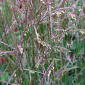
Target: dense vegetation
<point>42,42</point>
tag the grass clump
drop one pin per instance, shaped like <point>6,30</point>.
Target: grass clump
<point>42,42</point>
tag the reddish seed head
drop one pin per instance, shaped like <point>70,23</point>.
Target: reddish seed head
<point>23,0</point>
<point>11,9</point>
<point>20,6</point>
<point>39,45</point>
<point>74,12</point>
<point>53,16</point>
<point>2,60</point>
<point>65,26</point>
<point>71,55</point>
<point>24,21</point>
<point>65,20</point>
<point>31,83</point>
<point>15,30</point>
<point>54,34</point>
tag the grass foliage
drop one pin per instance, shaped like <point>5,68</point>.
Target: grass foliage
<point>42,42</point>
